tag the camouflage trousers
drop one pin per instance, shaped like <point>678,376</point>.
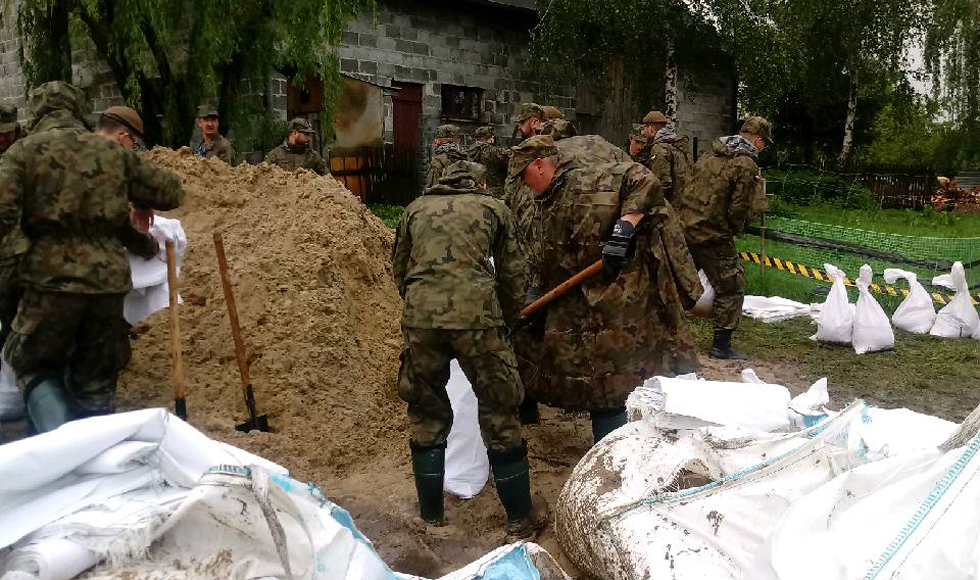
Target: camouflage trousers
<point>69,336</point>
<point>487,361</point>
<point>721,265</point>
<point>10,292</point>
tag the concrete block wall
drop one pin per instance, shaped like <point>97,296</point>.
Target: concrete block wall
<point>706,105</point>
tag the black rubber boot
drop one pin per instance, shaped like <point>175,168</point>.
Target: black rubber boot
<point>721,346</point>
<point>526,516</point>
<point>47,404</point>
<point>528,411</point>
<point>429,467</point>
<point>606,421</point>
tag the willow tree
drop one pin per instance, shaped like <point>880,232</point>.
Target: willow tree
<point>167,56</point>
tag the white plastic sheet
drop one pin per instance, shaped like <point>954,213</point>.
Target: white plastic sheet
<point>872,329</point>
<point>151,292</point>
<point>958,319</point>
<point>773,308</point>
<point>916,313</point>
<point>467,465</point>
<point>836,320</point>
<point>704,307</point>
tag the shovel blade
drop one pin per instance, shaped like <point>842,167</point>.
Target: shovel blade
<point>260,423</point>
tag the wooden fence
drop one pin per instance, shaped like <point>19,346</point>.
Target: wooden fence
<point>379,175</point>
<point>896,191</point>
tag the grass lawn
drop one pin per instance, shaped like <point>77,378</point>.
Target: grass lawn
<point>389,214</point>
<point>926,223</point>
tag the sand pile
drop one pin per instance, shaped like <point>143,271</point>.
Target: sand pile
<point>310,266</point>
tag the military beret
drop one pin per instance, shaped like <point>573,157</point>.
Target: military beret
<point>127,117</point>
<point>552,112</point>
<point>637,133</point>
<point>654,117</point>
<point>8,118</point>
<point>206,111</point>
<point>529,110</point>
<point>447,132</point>
<point>54,96</point>
<point>758,126</point>
<point>484,132</point>
<point>302,125</point>
<point>537,147</point>
<point>461,171</point>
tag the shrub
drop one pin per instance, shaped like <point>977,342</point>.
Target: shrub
<point>812,188</point>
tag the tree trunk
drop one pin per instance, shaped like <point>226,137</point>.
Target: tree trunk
<point>852,103</point>
<point>670,84</point>
<point>44,28</point>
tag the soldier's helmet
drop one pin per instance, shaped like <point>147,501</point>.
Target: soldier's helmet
<point>447,132</point>
<point>302,125</point>
<point>463,175</point>
<point>552,112</point>
<point>8,118</point>
<point>529,110</point>
<point>56,96</point>
<point>127,117</point>
<point>483,132</point>
<point>637,133</point>
<point>655,117</point>
<point>536,147</point>
<point>758,126</point>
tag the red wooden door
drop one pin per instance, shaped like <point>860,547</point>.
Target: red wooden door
<point>407,116</point>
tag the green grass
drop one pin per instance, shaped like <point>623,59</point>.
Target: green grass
<point>925,223</point>
<point>389,214</point>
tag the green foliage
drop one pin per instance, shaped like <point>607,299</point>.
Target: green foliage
<point>46,51</point>
<point>906,134</point>
<point>389,214</point>
<point>807,187</point>
<point>168,56</point>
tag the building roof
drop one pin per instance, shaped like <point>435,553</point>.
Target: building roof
<point>518,4</point>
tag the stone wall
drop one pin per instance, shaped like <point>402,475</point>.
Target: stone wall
<point>706,104</point>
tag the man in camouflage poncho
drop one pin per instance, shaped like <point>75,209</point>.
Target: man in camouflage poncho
<point>69,190</point>
<point>459,269</point>
<point>669,154</point>
<point>605,337</point>
<point>726,191</point>
<point>555,124</point>
<point>486,152</point>
<point>9,127</point>
<point>296,152</point>
<point>212,143</point>
<point>447,151</point>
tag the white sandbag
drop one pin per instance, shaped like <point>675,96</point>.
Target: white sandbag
<point>11,400</point>
<point>959,318</point>
<point>704,307</point>
<point>773,308</point>
<point>807,409</point>
<point>836,320</point>
<point>519,561</point>
<point>872,329</point>
<point>151,292</point>
<point>916,313</point>
<point>467,466</point>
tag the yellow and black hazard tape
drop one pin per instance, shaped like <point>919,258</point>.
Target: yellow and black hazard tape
<point>797,269</point>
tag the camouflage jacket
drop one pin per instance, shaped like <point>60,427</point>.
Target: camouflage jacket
<point>604,337</point>
<point>656,163</point>
<point>726,190</point>
<point>69,191</point>
<point>443,157</point>
<point>219,147</point>
<point>457,261</point>
<point>291,158</point>
<point>672,164</point>
<point>558,129</point>
<point>495,159</point>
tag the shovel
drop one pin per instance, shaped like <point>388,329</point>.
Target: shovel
<point>180,404</point>
<point>555,294</point>
<point>255,421</point>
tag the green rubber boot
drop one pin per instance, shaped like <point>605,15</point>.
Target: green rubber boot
<point>429,467</point>
<point>47,404</point>
<point>526,516</point>
<point>606,421</point>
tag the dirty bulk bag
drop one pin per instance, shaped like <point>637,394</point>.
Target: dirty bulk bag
<point>836,320</point>
<point>916,313</point>
<point>704,307</point>
<point>872,330</point>
<point>958,319</point>
<point>467,465</point>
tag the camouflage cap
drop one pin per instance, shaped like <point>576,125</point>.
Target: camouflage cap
<point>552,112</point>
<point>54,96</point>
<point>127,117</point>
<point>537,147</point>
<point>447,132</point>
<point>655,117</point>
<point>484,132</point>
<point>758,126</point>
<point>529,110</point>
<point>637,133</point>
<point>8,118</point>
<point>302,125</point>
<point>207,110</point>
<point>464,174</point>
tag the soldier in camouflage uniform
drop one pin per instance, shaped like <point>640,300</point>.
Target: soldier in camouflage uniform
<point>296,152</point>
<point>14,244</point>
<point>605,337</point>
<point>669,153</point>
<point>495,159</point>
<point>212,143</point>
<point>447,151</point>
<point>9,127</point>
<point>69,190</point>
<point>458,266</point>
<point>726,191</point>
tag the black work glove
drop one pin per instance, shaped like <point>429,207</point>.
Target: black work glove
<point>616,252</point>
<point>533,294</point>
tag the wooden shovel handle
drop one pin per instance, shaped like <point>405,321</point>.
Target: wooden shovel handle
<point>178,356</point>
<point>236,331</point>
<point>562,288</point>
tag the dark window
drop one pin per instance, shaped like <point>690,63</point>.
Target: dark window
<point>462,103</point>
